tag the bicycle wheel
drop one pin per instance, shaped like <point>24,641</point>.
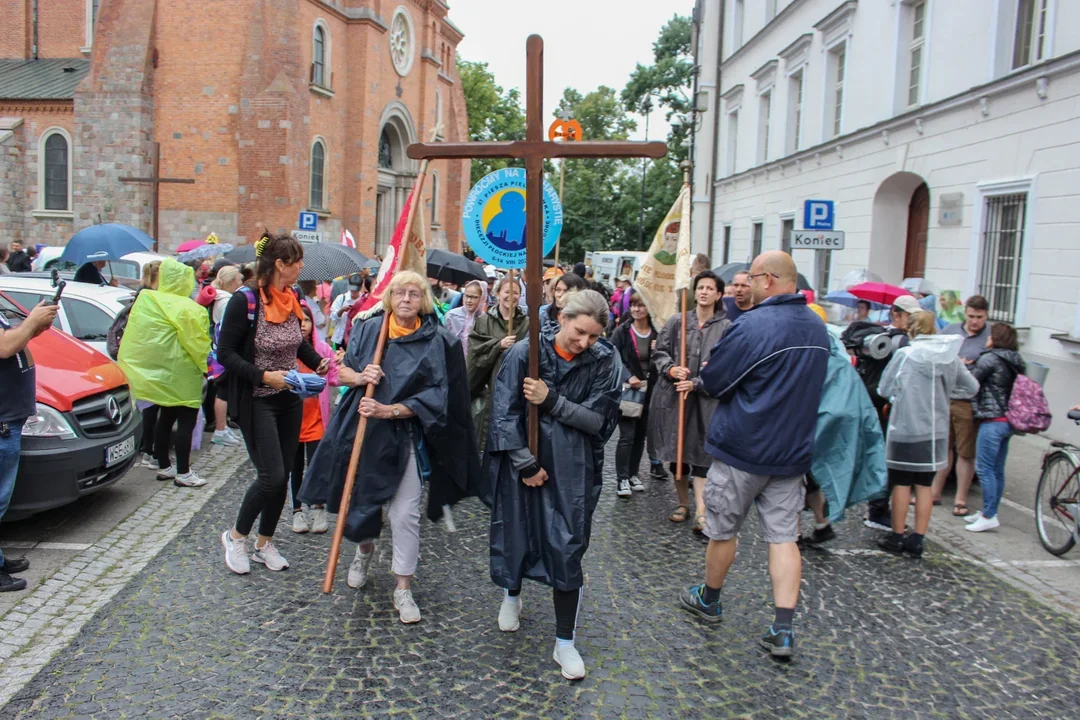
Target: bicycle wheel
<point>1057,502</point>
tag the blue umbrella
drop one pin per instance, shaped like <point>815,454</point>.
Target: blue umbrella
<point>105,242</point>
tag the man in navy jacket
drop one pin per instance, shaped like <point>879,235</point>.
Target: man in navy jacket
<point>767,372</point>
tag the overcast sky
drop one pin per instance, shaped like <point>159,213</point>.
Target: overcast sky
<point>587,43</point>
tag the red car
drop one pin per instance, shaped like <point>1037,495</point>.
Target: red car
<point>86,430</point>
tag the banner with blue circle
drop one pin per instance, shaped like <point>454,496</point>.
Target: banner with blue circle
<point>494,218</point>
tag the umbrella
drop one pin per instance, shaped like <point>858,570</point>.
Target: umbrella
<point>189,245</point>
<point>450,267</point>
<point>857,277</point>
<point>203,251</point>
<point>373,265</point>
<point>843,297</point>
<point>110,241</point>
<point>878,292</point>
<point>241,254</point>
<point>728,272</point>
<point>326,262</point>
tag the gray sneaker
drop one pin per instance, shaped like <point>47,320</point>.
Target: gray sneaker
<point>406,607</point>
<point>359,567</point>
<point>188,479</point>
<point>299,522</point>
<point>168,473</point>
<point>270,557</point>
<point>318,520</point>
<point>236,556</point>
<point>636,485</point>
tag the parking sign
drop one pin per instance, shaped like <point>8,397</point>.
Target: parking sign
<point>818,215</point>
<point>309,221</point>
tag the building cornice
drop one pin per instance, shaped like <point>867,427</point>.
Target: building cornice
<point>797,52</point>
<point>17,107</point>
<point>732,98</point>
<point>1037,76</point>
<point>765,75</point>
<point>837,23</point>
<point>780,17</point>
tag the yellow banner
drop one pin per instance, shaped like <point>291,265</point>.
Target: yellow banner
<point>667,268</point>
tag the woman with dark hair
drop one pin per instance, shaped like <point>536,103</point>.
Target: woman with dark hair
<point>705,325</point>
<point>259,342</point>
<point>564,284</point>
<point>996,370</point>
<point>635,339</point>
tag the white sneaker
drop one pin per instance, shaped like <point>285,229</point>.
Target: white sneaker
<point>149,462</point>
<point>510,614</point>
<point>359,567</point>
<point>636,485</point>
<point>188,479</point>
<point>624,489</point>
<point>270,557</point>
<point>406,607</point>
<point>573,667</point>
<point>224,437</point>
<point>299,522</point>
<point>318,520</point>
<point>236,557</point>
<point>973,517</point>
<point>168,473</point>
<point>983,524</point>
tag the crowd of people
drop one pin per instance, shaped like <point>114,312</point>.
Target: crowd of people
<point>761,392</point>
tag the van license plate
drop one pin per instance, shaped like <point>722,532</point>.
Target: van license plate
<point>115,454</point>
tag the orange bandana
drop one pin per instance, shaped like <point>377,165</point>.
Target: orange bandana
<point>564,354</point>
<point>278,305</point>
<point>397,331</point>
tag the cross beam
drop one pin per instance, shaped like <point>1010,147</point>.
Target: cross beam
<point>533,150</point>
<point>155,181</point>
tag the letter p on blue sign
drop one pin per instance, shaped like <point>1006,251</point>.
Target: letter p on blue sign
<point>309,221</point>
<point>818,215</point>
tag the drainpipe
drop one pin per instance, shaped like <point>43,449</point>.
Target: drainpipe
<point>716,130</point>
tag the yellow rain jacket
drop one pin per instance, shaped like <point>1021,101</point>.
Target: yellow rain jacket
<point>166,341</point>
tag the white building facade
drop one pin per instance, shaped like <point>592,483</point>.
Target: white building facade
<point>946,132</point>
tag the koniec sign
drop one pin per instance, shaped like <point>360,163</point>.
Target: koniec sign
<point>817,240</point>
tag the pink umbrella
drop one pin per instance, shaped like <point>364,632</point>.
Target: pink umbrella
<point>878,292</point>
<point>190,245</point>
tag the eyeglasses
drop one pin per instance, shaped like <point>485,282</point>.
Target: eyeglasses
<point>757,275</point>
<point>411,294</point>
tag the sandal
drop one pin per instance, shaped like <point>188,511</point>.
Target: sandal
<point>699,525</point>
<point>681,514</point>
<point>960,510</point>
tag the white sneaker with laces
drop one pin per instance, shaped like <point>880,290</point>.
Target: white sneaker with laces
<point>510,614</point>
<point>636,485</point>
<point>406,607</point>
<point>168,473</point>
<point>236,556</point>
<point>225,438</point>
<point>359,567</point>
<point>623,489</point>
<point>319,524</point>
<point>270,557</point>
<point>188,479</point>
<point>983,524</point>
<point>149,462</point>
<point>569,659</point>
<point>299,522</point>
<point>972,518</point>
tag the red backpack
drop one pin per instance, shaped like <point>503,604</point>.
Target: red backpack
<point>1028,410</point>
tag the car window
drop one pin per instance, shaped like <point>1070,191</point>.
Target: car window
<point>29,300</point>
<point>11,313</point>
<point>123,269</point>
<point>88,322</point>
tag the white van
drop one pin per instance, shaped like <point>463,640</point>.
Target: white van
<point>608,266</point>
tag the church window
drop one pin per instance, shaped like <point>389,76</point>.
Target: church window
<point>386,151</point>
<point>434,198</point>
<point>318,56</point>
<point>55,171</point>
<point>318,175</point>
<point>439,111</point>
<point>402,44</point>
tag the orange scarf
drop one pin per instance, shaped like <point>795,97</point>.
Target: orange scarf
<point>564,354</point>
<point>397,331</point>
<point>278,305</point>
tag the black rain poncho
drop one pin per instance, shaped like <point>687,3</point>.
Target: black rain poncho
<point>425,371</point>
<point>542,533</point>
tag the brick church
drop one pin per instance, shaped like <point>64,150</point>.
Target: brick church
<point>270,106</point>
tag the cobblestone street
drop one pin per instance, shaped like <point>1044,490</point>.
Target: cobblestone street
<point>879,636</point>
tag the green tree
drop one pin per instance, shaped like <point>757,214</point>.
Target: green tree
<point>494,114</point>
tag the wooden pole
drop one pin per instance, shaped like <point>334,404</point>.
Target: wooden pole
<point>534,218</point>
<point>513,305</point>
<point>562,184</point>
<point>680,438</point>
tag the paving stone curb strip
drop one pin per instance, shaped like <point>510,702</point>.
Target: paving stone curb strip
<point>33,631</point>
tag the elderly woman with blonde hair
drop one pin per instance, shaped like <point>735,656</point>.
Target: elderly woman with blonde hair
<point>418,431</point>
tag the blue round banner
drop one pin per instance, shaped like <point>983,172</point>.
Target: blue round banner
<point>494,218</point>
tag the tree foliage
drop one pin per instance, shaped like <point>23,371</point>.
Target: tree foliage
<point>494,114</point>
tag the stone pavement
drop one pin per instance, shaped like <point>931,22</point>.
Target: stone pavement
<point>879,636</point>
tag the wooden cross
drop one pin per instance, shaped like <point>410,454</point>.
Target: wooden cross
<point>534,149</point>
<point>155,181</point>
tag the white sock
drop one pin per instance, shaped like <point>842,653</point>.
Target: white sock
<point>559,642</point>
<point>822,526</point>
<point>508,598</point>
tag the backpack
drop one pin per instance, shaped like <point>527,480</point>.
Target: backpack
<point>116,330</point>
<point>1028,410</point>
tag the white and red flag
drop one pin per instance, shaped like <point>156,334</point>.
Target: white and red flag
<point>347,239</point>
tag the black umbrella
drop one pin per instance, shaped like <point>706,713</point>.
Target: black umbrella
<point>326,262</point>
<point>450,267</point>
<point>241,254</point>
<point>728,272</point>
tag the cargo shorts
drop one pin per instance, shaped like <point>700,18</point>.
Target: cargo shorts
<point>730,492</point>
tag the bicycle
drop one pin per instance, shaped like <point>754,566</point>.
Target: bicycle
<point>1057,499</point>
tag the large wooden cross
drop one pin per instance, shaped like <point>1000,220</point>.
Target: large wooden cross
<point>534,149</point>
<point>155,181</point>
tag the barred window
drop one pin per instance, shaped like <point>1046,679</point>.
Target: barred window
<point>318,57</point>
<point>1002,245</point>
<point>56,172</point>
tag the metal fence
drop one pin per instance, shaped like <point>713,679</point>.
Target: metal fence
<point>1002,244</point>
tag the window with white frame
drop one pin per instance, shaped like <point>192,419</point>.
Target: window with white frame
<point>54,173</point>
<point>1001,253</point>
<point>764,113</point>
<point>92,7</point>
<point>737,22</point>
<point>787,227</point>
<point>727,244</point>
<point>732,142</point>
<point>823,269</point>
<point>834,96</point>
<point>916,53</point>
<point>438,110</point>
<point>795,112</point>
<point>318,175</point>
<point>757,238</point>
<point>1030,36</point>
<point>320,55</point>
<point>434,198</point>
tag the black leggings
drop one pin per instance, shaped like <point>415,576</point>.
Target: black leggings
<point>184,418</point>
<point>209,396</point>
<point>271,439</point>
<point>309,449</point>
<point>566,609</point>
<point>631,446</point>
<point>149,425</point>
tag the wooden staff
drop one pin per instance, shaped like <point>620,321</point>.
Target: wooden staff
<point>513,305</point>
<point>562,183</point>
<point>680,438</point>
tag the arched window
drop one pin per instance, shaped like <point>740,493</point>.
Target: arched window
<point>386,151</point>
<point>320,56</point>
<point>55,170</point>
<point>434,198</point>
<point>318,175</point>
<point>438,109</point>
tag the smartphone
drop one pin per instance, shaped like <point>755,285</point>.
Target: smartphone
<point>59,291</point>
